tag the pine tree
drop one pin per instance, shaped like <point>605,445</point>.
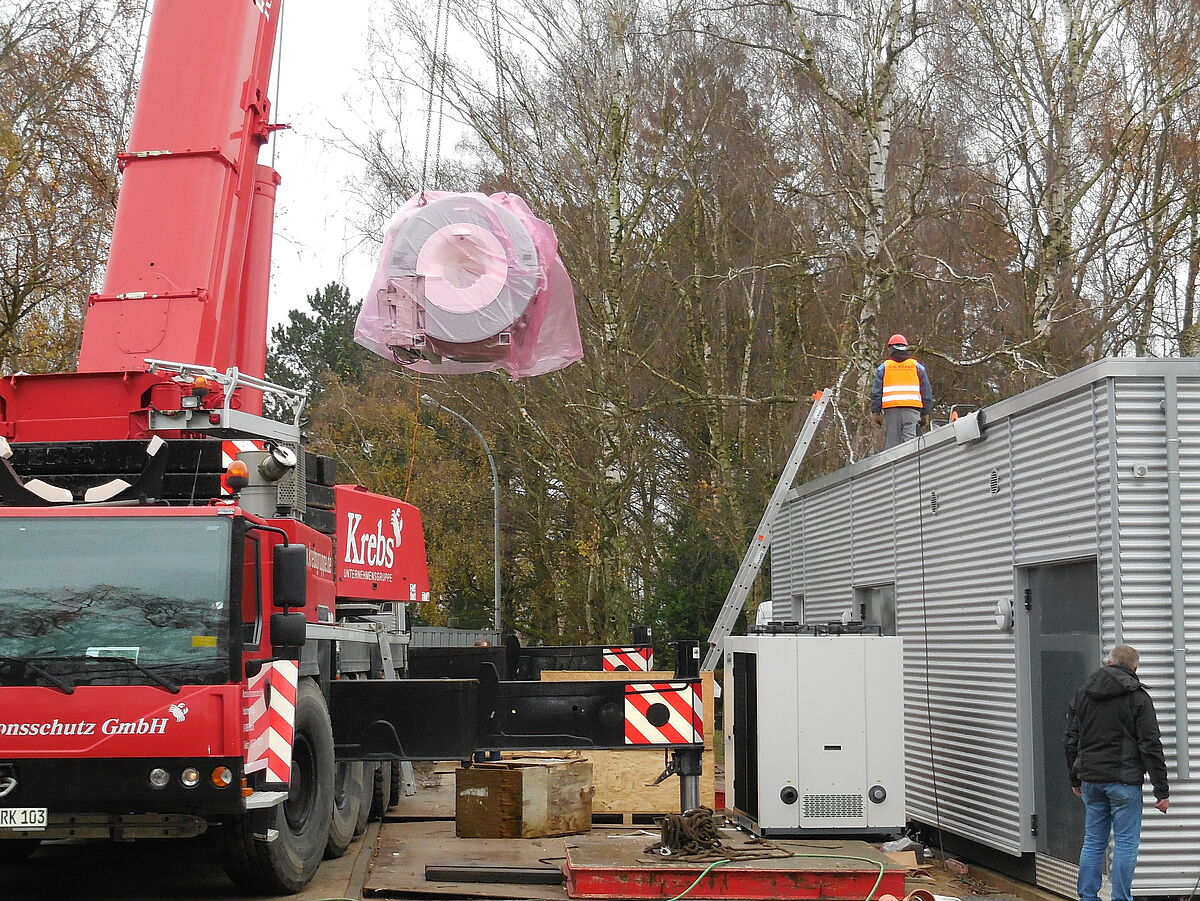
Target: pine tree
<point>310,347</point>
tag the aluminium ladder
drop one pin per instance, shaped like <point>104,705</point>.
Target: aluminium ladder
<point>757,552</point>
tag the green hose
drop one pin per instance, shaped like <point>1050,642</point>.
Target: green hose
<point>716,863</point>
<point>708,869</point>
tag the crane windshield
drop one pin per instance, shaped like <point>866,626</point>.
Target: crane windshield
<point>115,600</point>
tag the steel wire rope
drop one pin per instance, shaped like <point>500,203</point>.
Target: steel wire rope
<point>441,113</point>
<point>437,86</point>
<point>278,82</point>
<point>501,100</point>
<point>433,64</point>
<point>937,807</point>
<point>137,53</point>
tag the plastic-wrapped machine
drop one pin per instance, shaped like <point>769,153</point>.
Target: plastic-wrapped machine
<point>470,283</point>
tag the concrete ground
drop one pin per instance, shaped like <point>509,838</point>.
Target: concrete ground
<point>172,870</point>
<point>167,870</point>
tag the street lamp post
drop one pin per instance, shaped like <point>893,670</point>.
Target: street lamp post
<point>433,404</point>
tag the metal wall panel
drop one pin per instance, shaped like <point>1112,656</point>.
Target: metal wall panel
<point>828,552</point>
<point>1052,460</point>
<point>873,560</point>
<point>1169,843</point>
<point>1189,473</point>
<point>787,558</point>
<point>445,637</point>
<point>951,568</point>
<point>1060,876</point>
<point>1059,451</point>
<point>954,566</point>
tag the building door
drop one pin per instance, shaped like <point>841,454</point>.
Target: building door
<point>1064,649</point>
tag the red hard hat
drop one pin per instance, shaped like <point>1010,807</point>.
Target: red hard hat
<point>897,339</point>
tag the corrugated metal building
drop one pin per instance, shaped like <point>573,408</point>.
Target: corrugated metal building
<point>1009,564</point>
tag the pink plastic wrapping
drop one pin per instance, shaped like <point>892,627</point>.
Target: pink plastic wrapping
<point>470,283</point>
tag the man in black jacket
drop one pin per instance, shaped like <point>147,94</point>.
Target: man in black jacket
<point>1111,741</point>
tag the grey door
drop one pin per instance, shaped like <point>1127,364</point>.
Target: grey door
<point>1064,649</point>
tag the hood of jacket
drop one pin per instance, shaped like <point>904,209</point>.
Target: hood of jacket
<point>899,355</point>
<point>1110,682</point>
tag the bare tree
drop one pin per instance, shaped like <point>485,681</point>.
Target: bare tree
<point>65,79</point>
<point>1076,103</point>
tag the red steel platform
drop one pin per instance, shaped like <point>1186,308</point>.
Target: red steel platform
<point>614,865</point>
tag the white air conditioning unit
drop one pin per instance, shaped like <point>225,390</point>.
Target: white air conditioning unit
<point>814,734</point>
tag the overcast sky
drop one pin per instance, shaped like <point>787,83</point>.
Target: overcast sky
<point>322,89</point>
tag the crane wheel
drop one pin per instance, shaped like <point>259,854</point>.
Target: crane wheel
<point>301,823</point>
<point>381,796</point>
<point>396,787</point>
<point>347,802</point>
<point>365,799</point>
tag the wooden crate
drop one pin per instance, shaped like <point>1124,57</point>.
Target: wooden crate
<point>523,798</point>
<point>622,778</point>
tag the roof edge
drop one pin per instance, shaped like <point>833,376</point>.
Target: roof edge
<point>1025,402</point>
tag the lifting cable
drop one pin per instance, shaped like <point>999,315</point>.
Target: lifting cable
<point>133,64</point>
<point>501,101</point>
<point>278,83</point>
<point>438,66</point>
<point>937,807</point>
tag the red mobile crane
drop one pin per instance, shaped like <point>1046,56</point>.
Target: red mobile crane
<point>196,624</point>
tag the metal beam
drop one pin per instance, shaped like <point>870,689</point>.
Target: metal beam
<point>485,873</point>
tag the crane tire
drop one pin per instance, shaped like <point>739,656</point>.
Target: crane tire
<point>347,801</point>
<point>364,801</point>
<point>394,794</point>
<point>381,795</point>
<point>288,863</point>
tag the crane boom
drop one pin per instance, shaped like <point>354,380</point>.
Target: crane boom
<point>186,277</point>
<point>189,265</point>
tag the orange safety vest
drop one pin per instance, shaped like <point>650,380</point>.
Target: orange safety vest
<point>901,384</point>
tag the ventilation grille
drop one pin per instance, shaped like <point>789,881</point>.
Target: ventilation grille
<point>291,487</point>
<point>933,501</point>
<point>825,806</point>
<point>994,482</point>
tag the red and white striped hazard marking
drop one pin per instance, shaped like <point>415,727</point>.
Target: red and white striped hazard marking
<point>229,453</point>
<point>633,660</point>
<point>270,721</point>
<point>664,713</point>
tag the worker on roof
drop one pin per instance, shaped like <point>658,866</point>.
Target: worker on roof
<point>901,398</point>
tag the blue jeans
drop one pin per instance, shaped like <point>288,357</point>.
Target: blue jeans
<point>1116,808</point>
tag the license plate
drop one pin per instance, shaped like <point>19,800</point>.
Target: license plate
<point>23,818</point>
